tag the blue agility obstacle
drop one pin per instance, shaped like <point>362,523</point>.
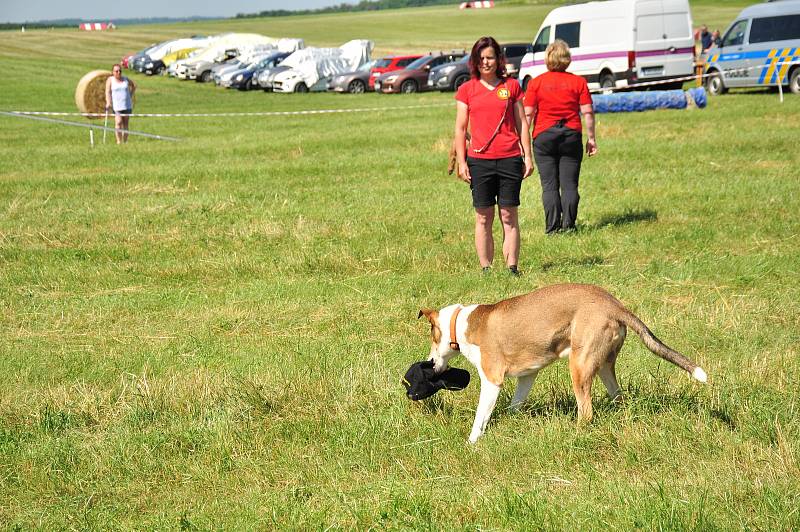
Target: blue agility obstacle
<point>624,102</point>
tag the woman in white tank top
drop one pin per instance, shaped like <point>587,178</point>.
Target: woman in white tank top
<point>119,98</point>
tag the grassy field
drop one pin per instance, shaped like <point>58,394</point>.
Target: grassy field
<point>211,333</point>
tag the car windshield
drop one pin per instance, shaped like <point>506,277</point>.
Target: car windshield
<point>383,63</point>
<point>366,67</point>
<point>419,63</point>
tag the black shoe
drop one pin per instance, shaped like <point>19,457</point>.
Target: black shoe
<point>514,271</point>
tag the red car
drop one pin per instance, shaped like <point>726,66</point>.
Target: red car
<point>414,77</point>
<point>124,61</point>
<point>388,64</point>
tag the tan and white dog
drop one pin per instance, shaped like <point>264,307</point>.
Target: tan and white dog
<point>518,337</point>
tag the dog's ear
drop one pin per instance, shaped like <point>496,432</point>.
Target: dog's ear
<point>430,314</point>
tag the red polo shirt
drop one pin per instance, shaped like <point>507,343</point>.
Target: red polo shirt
<point>557,96</point>
<point>486,108</point>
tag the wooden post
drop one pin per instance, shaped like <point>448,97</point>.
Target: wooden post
<point>699,67</point>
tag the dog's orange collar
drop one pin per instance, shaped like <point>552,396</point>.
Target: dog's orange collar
<point>453,342</point>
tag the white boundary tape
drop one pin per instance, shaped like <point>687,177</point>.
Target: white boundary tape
<point>32,114</point>
<point>685,78</point>
<point>650,83</point>
<point>264,113</point>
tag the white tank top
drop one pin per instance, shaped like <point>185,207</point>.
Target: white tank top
<point>120,95</point>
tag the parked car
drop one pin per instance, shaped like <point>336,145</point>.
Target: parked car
<point>232,45</point>
<point>414,77</point>
<point>514,52</point>
<point>760,49</point>
<point>242,78</point>
<point>619,43</point>
<point>390,64</point>
<point>152,62</point>
<point>450,76</point>
<point>125,58</point>
<point>266,76</point>
<point>131,59</point>
<point>355,82</point>
<point>229,65</point>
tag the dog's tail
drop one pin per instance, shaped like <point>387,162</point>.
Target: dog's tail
<point>660,348</point>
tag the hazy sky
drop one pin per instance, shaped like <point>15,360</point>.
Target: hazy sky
<point>109,10</point>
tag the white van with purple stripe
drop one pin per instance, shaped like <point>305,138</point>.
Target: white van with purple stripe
<point>619,43</point>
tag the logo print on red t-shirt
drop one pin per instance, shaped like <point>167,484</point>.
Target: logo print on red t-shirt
<point>503,93</point>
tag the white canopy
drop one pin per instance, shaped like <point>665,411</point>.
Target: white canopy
<point>246,43</point>
<point>313,64</point>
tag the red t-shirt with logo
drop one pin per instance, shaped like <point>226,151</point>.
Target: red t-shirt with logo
<point>557,96</point>
<point>486,108</point>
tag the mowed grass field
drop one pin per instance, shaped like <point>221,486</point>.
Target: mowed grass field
<point>211,333</point>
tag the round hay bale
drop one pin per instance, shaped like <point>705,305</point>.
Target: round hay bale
<point>90,95</point>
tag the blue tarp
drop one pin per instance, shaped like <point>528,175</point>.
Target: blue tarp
<point>622,102</point>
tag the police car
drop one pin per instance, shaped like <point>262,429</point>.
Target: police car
<point>760,49</point>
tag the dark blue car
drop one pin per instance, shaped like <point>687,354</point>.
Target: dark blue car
<point>243,78</point>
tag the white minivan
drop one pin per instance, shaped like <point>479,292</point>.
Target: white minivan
<point>619,43</point>
<point>760,49</point>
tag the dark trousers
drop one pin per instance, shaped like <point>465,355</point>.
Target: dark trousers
<point>558,152</point>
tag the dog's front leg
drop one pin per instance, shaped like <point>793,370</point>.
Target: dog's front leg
<point>489,393</point>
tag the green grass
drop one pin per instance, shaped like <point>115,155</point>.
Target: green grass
<point>211,333</point>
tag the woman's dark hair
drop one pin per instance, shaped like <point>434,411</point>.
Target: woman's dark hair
<point>475,57</point>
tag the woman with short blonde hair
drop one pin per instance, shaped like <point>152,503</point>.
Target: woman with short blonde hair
<point>557,57</point>
<point>554,103</point>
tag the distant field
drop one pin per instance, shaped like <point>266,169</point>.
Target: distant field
<point>211,333</point>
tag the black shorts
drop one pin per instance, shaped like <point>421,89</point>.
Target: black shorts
<point>123,111</point>
<point>495,181</point>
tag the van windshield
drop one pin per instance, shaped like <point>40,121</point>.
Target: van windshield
<point>542,40</point>
<point>735,35</point>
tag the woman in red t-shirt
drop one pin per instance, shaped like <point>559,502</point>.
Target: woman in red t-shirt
<point>498,157</point>
<point>554,103</point>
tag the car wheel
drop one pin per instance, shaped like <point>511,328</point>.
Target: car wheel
<point>205,77</point>
<point>301,87</point>
<point>794,81</point>
<point>714,84</point>
<point>357,87</point>
<point>460,80</point>
<point>408,86</point>
<point>607,81</point>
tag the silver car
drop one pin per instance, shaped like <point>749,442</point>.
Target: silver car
<point>354,82</point>
<point>267,76</point>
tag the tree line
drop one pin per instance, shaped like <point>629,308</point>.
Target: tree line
<point>363,5</point>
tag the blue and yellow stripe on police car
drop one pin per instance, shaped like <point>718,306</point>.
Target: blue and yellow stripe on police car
<point>768,68</point>
<point>787,62</point>
<point>778,62</point>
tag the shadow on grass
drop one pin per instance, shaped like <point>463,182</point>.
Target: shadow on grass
<point>588,261</point>
<point>625,218</point>
<point>558,403</point>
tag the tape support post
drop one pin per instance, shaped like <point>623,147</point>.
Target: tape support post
<point>90,126</point>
